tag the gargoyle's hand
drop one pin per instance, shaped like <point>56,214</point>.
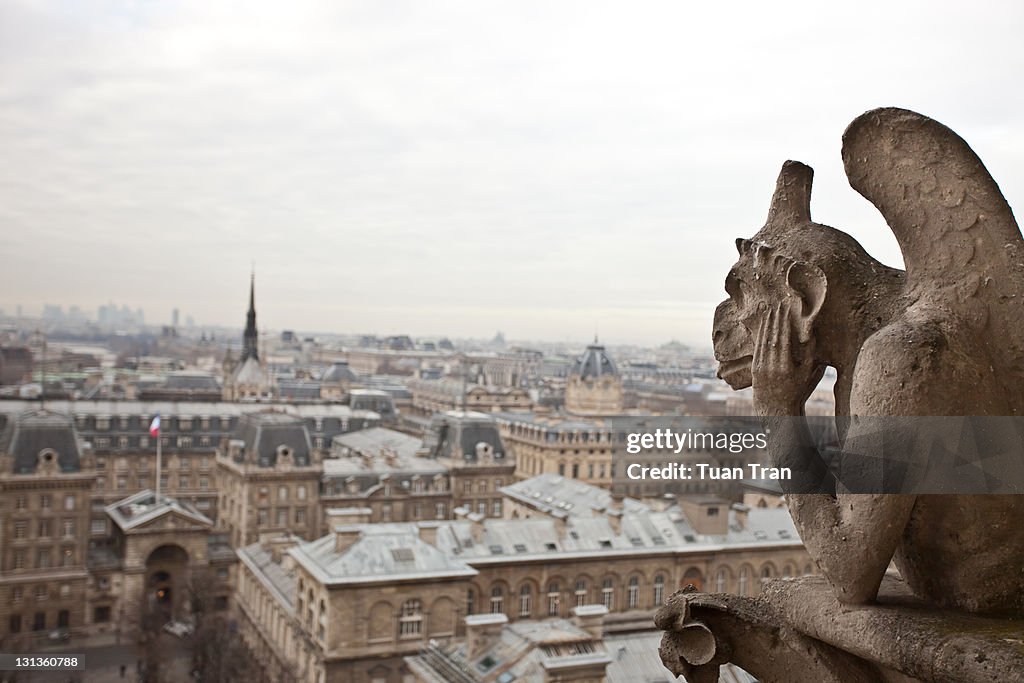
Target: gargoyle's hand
<point>783,371</point>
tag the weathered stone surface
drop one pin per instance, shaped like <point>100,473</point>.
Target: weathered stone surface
<point>944,338</point>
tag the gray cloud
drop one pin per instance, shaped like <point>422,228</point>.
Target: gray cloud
<point>542,168</point>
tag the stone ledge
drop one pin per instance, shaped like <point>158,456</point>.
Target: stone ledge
<point>797,632</point>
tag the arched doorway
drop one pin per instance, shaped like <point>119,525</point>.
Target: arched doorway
<point>166,581</point>
<point>692,576</point>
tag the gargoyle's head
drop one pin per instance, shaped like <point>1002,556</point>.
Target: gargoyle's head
<point>765,274</point>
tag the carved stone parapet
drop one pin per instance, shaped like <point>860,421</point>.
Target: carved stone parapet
<point>797,632</point>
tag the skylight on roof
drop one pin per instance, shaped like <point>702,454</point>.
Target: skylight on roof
<point>402,554</point>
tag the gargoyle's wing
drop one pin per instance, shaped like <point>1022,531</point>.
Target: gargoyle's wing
<point>957,233</point>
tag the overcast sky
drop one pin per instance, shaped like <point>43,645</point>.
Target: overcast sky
<point>542,168</point>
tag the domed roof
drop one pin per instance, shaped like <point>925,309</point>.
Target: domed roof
<point>595,362</point>
<point>339,372</point>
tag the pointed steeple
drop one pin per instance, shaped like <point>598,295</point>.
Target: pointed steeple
<point>250,338</point>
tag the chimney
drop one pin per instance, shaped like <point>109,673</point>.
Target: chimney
<point>428,532</point>
<point>476,527</point>
<point>483,630</point>
<point>742,514</point>
<point>345,537</point>
<point>590,618</point>
<point>236,449</point>
<point>615,520</point>
<point>346,516</point>
<point>561,519</point>
<point>708,515</point>
<point>279,545</point>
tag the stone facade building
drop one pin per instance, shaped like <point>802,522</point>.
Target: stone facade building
<point>351,604</point>
<point>593,386</point>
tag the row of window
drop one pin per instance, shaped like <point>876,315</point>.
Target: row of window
<point>280,516</point>
<point>143,463</point>
<point>580,595</point>
<point>44,558</point>
<point>41,593</point>
<point>103,423</point>
<point>144,483</point>
<point>21,502</point>
<point>39,621</point>
<point>105,442</point>
<point>44,528</point>
<point>283,493</point>
<point>575,470</point>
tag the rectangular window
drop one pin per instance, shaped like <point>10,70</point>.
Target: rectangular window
<point>282,493</point>
<point>101,614</point>
<point>44,501</point>
<point>98,527</point>
<point>300,516</point>
<point>204,483</point>
<point>282,517</point>
<point>17,593</point>
<point>20,503</point>
<point>20,529</point>
<point>496,508</point>
<point>19,559</point>
<point>68,527</point>
<point>184,464</point>
<point>44,528</point>
<point>15,623</point>
<point>182,482</point>
<point>300,492</point>
<point>440,511</point>
<point>39,621</point>
<point>43,559</point>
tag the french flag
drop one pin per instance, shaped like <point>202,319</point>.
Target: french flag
<point>154,426</point>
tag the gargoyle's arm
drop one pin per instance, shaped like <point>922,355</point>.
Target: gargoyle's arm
<point>851,536</point>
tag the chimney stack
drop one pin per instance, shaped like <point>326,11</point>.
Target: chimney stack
<point>482,630</point>
<point>476,526</point>
<point>742,514</point>
<point>590,618</point>
<point>345,537</point>
<point>428,532</point>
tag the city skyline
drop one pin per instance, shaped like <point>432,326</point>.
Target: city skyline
<point>545,170</point>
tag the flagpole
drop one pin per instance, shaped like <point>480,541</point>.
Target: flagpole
<point>159,463</point>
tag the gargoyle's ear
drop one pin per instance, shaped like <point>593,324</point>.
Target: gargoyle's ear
<point>743,246</point>
<point>808,282</point>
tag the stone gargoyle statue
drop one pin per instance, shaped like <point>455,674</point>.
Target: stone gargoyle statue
<point>943,338</point>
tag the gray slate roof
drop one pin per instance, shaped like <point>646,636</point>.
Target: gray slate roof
<point>264,433</point>
<point>33,431</point>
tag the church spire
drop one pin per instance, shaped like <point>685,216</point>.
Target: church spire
<point>250,338</point>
